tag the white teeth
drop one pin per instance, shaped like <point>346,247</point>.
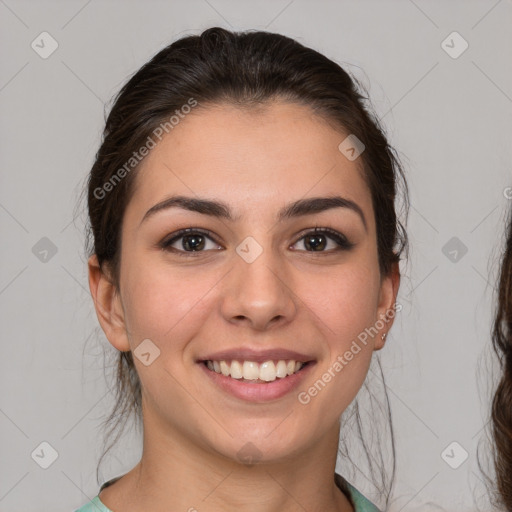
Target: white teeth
<point>236,370</point>
<point>268,371</point>
<point>281,371</point>
<point>250,370</point>
<point>224,368</point>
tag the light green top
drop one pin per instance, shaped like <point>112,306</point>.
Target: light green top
<point>360,503</point>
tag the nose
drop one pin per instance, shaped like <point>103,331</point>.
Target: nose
<point>259,294</point>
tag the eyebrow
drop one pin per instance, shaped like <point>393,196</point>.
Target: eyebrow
<point>221,210</point>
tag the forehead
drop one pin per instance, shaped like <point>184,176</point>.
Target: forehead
<point>256,160</point>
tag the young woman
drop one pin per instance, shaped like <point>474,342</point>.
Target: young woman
<point>501,413</point>
<point>245,266</point>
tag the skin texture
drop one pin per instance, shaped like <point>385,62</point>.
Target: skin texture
<point>289,297</point>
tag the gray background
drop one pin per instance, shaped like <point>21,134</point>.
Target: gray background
<point>450,118</point>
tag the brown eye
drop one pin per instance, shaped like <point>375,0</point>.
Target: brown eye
<point>317,240</point>
<point>191,240</point>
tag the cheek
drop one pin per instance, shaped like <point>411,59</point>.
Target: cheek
<point>163,305</point>
<point>345,309</point>
<point>345,301</point>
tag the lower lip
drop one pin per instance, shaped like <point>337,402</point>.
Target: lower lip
<point>258,392</point>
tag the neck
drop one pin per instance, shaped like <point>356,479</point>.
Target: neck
<point>176,473</point>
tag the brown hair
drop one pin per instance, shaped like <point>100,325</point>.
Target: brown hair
<point>501,410</point>
<point>245,69</point>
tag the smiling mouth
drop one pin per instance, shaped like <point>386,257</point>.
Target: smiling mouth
<point>251,371</point>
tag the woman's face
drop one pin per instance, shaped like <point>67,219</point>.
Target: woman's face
<point>257,283</point>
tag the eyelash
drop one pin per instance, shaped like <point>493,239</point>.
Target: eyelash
<point>341,240</point>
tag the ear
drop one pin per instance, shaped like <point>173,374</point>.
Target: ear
<point>386,310</point>
<point>107,303</point>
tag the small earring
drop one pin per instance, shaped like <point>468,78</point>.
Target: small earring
<point>384,336</point>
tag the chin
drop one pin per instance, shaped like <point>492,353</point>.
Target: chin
<point>262,445</point>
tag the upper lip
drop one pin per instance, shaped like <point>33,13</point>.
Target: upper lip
<point>258,356</point>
